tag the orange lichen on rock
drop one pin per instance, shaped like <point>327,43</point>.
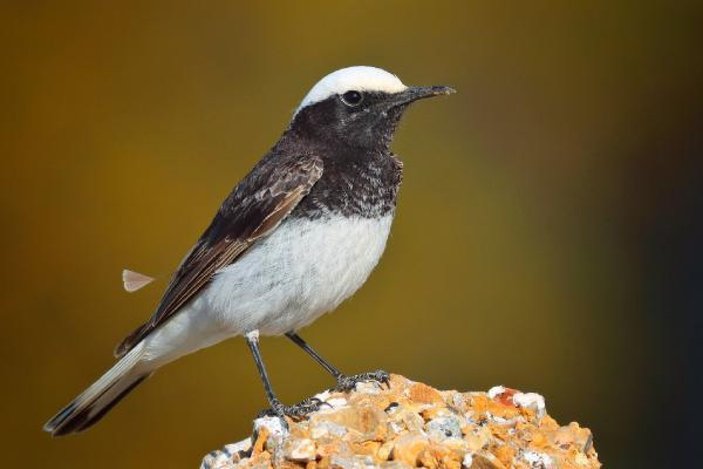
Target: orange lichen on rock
<point>409,424</point>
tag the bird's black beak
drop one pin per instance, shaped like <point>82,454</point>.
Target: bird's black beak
<point>413,93</point>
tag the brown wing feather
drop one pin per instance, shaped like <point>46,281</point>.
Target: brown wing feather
<point>255,208</point>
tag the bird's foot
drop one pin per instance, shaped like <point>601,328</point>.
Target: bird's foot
<point>347,383</point>
<point>296,412</point>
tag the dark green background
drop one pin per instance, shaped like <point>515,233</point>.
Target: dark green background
<point>547,235</point>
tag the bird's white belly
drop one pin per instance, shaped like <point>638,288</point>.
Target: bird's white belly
<point>304,269</point>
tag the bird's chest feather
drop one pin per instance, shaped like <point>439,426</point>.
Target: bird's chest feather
<point>305,268</point>
<point>355,186</point>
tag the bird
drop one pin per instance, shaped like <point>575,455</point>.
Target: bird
<point>299,234</point>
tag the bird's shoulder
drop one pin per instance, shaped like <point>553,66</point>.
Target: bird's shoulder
<point>276,176</point>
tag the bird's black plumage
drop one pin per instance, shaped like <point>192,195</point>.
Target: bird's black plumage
<point>361,176</point>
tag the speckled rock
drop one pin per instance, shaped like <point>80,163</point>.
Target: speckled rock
<point>409,424</point>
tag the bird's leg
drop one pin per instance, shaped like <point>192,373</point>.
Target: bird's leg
<point>344,382</point>
<point>253,342</point>
<point>277,408</point>
<point>315,356</point>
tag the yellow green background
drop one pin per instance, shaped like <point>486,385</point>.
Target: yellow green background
<point>527,249</point>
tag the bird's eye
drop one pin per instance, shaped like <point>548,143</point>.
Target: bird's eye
<point>352,98</point>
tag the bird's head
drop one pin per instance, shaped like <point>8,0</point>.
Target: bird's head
<point>357,107</point>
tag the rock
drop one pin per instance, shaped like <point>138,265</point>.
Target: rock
<point>408,447</point>
<point>411,424</point>
<point>300,449</point>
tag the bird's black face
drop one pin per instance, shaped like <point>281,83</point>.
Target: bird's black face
<point>359,119</point>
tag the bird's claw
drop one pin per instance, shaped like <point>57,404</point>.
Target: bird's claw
<point>296,412</point>
<point>347,383</point>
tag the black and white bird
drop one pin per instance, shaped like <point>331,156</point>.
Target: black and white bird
<point>296,237</point>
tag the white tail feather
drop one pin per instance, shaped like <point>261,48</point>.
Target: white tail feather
<point>91,404</point>
<point>133,281</point>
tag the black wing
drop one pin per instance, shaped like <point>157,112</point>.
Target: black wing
<point>254,208</point>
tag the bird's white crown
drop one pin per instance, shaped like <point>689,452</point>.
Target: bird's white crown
<point>359,78</point>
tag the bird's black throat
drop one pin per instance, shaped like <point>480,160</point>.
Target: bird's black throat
<point>361,175</point>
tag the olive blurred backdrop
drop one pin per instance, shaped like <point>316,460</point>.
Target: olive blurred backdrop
<point>548,234</point>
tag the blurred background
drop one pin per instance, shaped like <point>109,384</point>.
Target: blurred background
<point>548,235</point>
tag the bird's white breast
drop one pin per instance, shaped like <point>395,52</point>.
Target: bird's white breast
<point>305,268</point>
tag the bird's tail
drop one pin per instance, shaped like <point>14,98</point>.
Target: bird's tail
<point>93,403</point>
